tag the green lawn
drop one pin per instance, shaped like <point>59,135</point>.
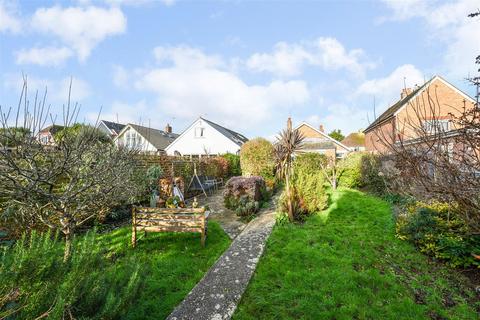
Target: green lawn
<point>171,265</point>
<point>98,275</point>
<point>346,263</point>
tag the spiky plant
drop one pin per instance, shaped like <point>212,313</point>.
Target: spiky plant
<point>289,141</point>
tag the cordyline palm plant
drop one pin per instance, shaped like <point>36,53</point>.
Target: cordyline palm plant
<point>288,143</point>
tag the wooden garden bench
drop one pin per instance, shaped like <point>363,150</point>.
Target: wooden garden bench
<point>169,220</point>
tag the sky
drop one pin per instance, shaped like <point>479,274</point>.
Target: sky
<point>247,65</point>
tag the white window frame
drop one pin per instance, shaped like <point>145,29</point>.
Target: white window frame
<point>199,132</point>
<point>436,125</point>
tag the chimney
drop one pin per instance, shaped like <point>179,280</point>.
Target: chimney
<point>168,128</point>
<point>321,128</point>
<point>289,123</point>
<point>405,92</point>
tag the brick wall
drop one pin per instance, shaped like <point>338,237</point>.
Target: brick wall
<point>438,99</point>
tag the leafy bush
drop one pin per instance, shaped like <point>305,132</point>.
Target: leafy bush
<point>36,282</point>
<point>308,186</point>
<point>214,167</point>
<point>437,230</point>
<point>257,158</point>
<point>153,174</point>
<point>310,162</point>
<point>350,171</point>
<point>233,164</point>
<point>245,194</point>
<point>372,176</point>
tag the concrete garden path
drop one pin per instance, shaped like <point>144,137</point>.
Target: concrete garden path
<point>216,296</point>
<point>228,220</point>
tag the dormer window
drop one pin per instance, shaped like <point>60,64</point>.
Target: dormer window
<point>199,132</point>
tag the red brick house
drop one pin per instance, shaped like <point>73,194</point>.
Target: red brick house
<point>47,134</point>
<point>430,106</point>
<point>316,140</point>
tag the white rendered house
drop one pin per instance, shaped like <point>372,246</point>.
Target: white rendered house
<point>204,137</point>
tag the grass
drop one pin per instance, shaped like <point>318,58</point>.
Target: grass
<point>345,263</point>
<point>172,264</point>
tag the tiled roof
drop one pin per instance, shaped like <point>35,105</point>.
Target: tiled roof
<point>236,137</point>
<point>355,139</point>
<point>158,138</point>
<point>52,129</point>
<point>395,107</point>
<point>115,127</point>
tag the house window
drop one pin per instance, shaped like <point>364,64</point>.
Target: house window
<point>436,126</point>
<point>199,132</point>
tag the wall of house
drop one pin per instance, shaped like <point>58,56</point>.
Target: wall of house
<point>141,143</point>
<point>103,128</point>
<point>212,142</point>
<point>378,139</point>
<point>311,134</point>
<point>45,138</point>
<point>439,101</point>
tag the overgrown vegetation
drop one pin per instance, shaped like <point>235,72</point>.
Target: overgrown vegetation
<point>64,186</point>
<point>245,195</point>
<point>233,161</point>
<point>346,263</point>
<point>439,231</point>
<point>308,186</point>
<point>37,283</point>
<point>257,159</point>
<point>105,278</point>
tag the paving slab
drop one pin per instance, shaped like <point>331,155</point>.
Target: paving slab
<point>216,296</point>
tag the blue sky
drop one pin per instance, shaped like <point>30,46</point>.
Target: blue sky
<point>245,64</point>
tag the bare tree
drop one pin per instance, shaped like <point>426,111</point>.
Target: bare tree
<point>436,157</point>
<point>64,185</point>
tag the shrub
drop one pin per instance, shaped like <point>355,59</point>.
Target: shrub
<point>308,186</point>
<point>310,162</point>
<point>372,176</point>
<point>233,164</point>
<point>350,171</point>
<point>257,158</point>
<point>245,194</point>
<point>438,230</point>
<point>36,282</point>
<point>153,175</point>
<point>214,167</point>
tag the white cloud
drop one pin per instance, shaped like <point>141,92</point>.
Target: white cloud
<point>325,53</point>
<point>347,118</point>
<point>47,56</point>
<point>186,57</point>
<point>57,90</point>
<point>79,28</point>
<point>167,3</point>
<point>9,21</point>
<point>448,23</point>
<point>120,76</point>
<point>123,113</point>
<point>387,90</point>
<point>210,89</point>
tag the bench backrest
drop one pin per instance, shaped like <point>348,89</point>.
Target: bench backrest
<point>169,219</point>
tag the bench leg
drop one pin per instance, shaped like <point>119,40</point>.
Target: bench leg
<point>134,236</point>
<point>204,235</point>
